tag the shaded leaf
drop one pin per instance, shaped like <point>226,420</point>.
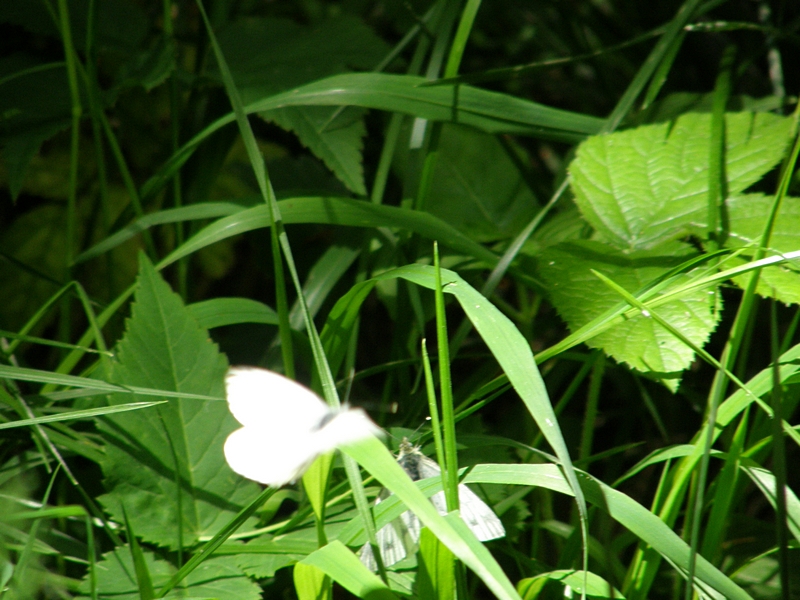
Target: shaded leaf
<point>34,106</point>
<point>476,186</point>
<point>150,67</point>
<point>36,241</point>
<point>269,55</point>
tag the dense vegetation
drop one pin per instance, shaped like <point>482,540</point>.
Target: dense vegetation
<point>564,232</point>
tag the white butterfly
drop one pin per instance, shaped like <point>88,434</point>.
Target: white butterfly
<point>396,539</point>
<point>285,426</point>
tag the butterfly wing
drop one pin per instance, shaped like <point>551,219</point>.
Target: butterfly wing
<point>418,466</point>
<point>279,416</point>
<point>271,402</point>
<point>286,426</point>
<point>476,514</point>
<point>267,459</point>
<point>389,539</point>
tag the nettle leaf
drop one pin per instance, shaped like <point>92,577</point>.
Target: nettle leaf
<point>334,136</point>
<point>268,56</point>
<point>166,465</point>
<point>746,217</point>
<point>642,187</point>
<point>640,342</point>
<point>217,577</point>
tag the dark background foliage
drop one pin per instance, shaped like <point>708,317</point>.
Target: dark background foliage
<point>71,181</point>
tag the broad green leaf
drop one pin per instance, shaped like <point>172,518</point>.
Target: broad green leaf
<point>476,186</point>
<point>261,557</point>
<point>642,343</point>
<point>645,186</point>
<point>219,578</point>
<point>266,564</point>
<point>747,216</point>
<point>165,464</point>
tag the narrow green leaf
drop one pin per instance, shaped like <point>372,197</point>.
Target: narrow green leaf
<point>344,567</point>
<point>375,458</point>
<point>436,576</point>
<point>80,414</point>
<point>143,580</point>
<point>334,211</point>
<point>219,312</point>
<point>310,583</point>
<point>487,111</point>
